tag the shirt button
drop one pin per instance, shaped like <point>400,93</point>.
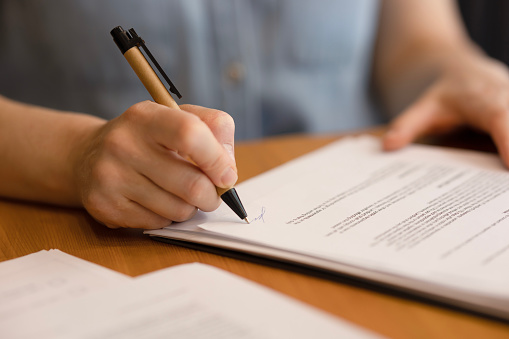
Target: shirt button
<point>235,72</point>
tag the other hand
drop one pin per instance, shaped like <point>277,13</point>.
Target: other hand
<point>472,90</point>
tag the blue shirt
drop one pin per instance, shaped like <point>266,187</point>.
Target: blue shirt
<point>277,66</point>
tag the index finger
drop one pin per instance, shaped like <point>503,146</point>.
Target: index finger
<point>185,133</point>
<point>499,131</point>
<point>220,123</point>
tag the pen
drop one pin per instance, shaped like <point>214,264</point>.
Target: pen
<point>129,42</point>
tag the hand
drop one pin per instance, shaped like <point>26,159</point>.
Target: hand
<point>473,90</point>
<point>135,172</point>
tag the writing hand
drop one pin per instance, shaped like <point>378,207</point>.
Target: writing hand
<point>473,90</point>
<point>135,172</point>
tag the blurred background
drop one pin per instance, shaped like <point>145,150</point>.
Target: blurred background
<point>487,22</point>
<point>276,66</point>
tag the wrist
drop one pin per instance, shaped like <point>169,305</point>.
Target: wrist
<point>80,142</point>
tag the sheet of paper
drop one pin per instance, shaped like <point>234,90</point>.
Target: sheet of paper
<point>432,214</point>
<point>46,278</point>
<point>187,301</point>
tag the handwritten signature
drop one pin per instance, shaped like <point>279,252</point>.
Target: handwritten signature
<point>260,217</point>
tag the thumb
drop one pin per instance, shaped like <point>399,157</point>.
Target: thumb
<point>417,120</point>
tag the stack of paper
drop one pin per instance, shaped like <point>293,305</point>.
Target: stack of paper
<point>427,220</point>
<point>54,295</point>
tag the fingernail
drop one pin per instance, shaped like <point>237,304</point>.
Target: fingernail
<point>229,177</point>
<point>229,149</point>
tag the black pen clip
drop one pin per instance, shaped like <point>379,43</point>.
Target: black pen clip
<point>127,40</point>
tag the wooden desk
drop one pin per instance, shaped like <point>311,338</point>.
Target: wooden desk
<point>27,228</point>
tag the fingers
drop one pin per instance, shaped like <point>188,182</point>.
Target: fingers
<point>109,206</point>
<point>411,124</point>
<point>133,216</point>
<point>132,175</point>
<point>471,91</point>
<point>181,178</point>
<point>220,123</point>
<point>189,135</point>
<point>122,197</point>
<point>499,130</point>
<point>155,199</point>
<point>429,115</point>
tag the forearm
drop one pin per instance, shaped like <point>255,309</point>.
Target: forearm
<point>38,151</point>
<point>417,42</point>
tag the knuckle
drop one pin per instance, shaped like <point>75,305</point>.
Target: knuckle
<point>93,202</point>
<point>183,212</point>
<point>98,198</point>
<point>188,133</point>
<point>221,122</point>
<point>223,119</point>
<point>115,142</point>
<point>104,175</point>
<point>474,93</point>
<point>187,107</point>
<point>100,208</point>
<point>211,205</point>
<point>139,111</point>
<point>216,165</point>
<point>197,189</point>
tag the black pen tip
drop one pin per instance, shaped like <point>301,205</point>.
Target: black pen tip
<point>231,198</point>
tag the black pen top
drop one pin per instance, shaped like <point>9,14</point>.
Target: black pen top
<point>125,40</point>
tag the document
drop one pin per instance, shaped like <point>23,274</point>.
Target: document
<point>426,220</point>
<point>186,301</point>
<point>48,277</point>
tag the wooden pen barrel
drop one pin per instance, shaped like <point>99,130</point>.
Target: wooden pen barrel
<point>149,78</point>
